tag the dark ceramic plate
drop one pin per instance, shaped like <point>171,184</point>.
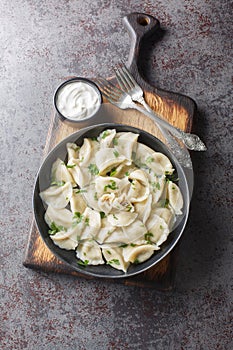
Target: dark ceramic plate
<point>43,181</point>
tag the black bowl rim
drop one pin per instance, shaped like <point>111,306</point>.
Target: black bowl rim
<point>71,80</point>
<point>78,268</point>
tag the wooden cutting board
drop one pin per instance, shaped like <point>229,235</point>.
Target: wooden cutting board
<point>177,109</point>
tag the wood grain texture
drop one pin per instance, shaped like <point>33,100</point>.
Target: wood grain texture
<point>177,109</point>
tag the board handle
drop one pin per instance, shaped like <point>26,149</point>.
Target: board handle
<point>140,26</point>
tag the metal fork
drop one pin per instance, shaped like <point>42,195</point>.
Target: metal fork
<point>123,100</point>
<point>128,84</point>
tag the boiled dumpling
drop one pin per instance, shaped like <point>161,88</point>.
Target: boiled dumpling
<point>138,192</point>
<point>91,197</point>
<point>144,208</point>
<point>115,259</point>
<point>175,197</point>
<point>60,173</point>
<point>157,185</point>
<point>81,175</point>
<point>77,202</point>
<point>138,254</point>
<point>90,253</point>
<point>167,215</point>
<point>135,232</point>
<point>106,138</point>
<point>107,158</point>
<point>125,144</point>
<point>117,236</point>
<point>139,189</point>
<point>109,184</point>
<point>72,150</point>
<point>61,217</point>
<point>122,218</point>
<point>159,163</point>
<point>157,229</point>
<point>147,158</point>
<point>105,202</point>
<point>85,152</point>
<point>57,196</point>
<point>105,231</point>
<point>92,223</point>
<point>66,239</point>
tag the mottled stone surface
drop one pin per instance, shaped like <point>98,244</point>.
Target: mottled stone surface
<point>42,42</point>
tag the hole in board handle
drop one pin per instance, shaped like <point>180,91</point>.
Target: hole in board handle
<point>143,21</point>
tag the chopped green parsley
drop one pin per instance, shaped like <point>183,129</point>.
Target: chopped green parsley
<point>77,217</point>
<point>115,141</point>
<point>116,153</point>
<point>93,169</point>
<point>70,166</point>
<point>55,228</point>
<point>113,172</point>
<point>83,263</point>
<point>80,191</point>
<point>104,134</point>
<point>148,236</point>
<point>149,160</point>
<point>102,215</point>
<point>112,186</point>
<point>114,261</point>
<point>58,183</point>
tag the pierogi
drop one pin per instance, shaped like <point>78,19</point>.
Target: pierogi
<point>112,200</point>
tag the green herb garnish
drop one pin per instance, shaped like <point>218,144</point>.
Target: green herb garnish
<point>116,153</point>
<point>123,245</point>
<point>58,183</point>
<point>104,134</point>
<point>83,263</point>
<point>148,236</point>
<point>171,177</point>
<point>112,186</point>
<point>128,207</point>
<point>87,220</point>
<point>149,160</point>
<point>55,228</point>
<point>113,172</point>
<point>102,215</point>
<point>70,166</point>
<point>93,169</point>
<point>77,217</point>
<point>155,185</point>
<point>114,261</point>
<point>80,191</point>
<point>115,141</point>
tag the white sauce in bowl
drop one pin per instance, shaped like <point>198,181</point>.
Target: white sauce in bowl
<point>77,100</point>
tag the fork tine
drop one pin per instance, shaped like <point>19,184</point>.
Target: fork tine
<point>123,78</point>
<point>108,88</point>
<point>129,76</point>
<point>110,91</point>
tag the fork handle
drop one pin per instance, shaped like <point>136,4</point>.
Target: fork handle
<point>178,149</point>
<point>191,141</point>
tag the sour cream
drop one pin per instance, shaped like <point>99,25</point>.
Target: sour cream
<point>77,100</point>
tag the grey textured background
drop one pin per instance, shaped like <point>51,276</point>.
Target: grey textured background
<point>41,43</point>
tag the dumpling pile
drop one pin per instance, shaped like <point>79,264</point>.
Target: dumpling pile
<point>113,201</point>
